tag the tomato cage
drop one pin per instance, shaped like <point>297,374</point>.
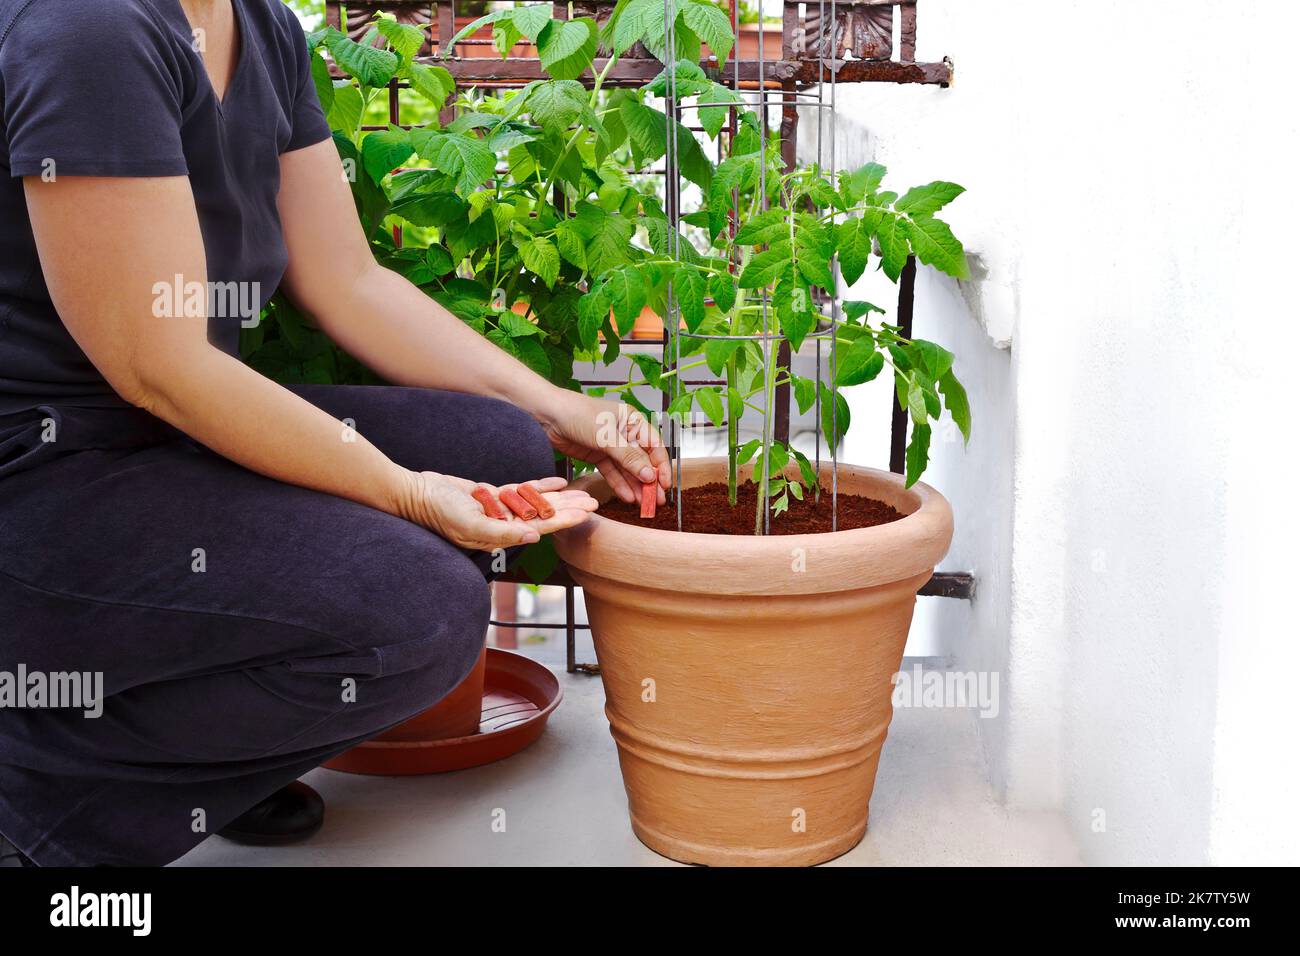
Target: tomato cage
<point>788,58</point>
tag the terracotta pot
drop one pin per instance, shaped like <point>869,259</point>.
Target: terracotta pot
<point>749,698</point>
<point>456,715</point>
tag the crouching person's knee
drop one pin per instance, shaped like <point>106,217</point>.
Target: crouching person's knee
<point>423,650</point>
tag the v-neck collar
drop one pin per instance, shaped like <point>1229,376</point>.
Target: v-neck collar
<point>241,28</point>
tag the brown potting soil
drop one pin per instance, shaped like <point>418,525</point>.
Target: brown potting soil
<point>707,511</point>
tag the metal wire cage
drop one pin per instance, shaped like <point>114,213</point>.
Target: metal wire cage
<point>822,44</point>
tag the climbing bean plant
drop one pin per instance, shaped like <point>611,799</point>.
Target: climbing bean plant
<point>525,217</point>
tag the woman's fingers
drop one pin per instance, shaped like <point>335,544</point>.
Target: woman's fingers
<point>487,534</point>
<point>647,437</point>
<point>572,499</point>
<point>629,449</point>
<point>614,477</point>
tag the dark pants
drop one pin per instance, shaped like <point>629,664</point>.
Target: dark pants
<point>247,630</point>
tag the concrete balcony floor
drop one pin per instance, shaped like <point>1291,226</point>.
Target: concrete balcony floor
<point>564,806</point>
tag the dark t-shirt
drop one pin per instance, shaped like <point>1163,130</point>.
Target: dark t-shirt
<point>116,88</point>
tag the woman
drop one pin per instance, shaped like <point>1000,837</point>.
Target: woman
<point>263,576</point>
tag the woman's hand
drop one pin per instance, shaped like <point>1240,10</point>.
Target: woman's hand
<point>616,438</point>
<point>444,504</point>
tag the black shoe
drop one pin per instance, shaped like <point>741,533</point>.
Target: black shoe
<point>289,815</point>
<point>10,855</point>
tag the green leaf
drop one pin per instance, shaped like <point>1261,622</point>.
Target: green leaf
<point>928,199</point>
<point>805,393</point>
<point>505,35</point>
<point>794,307</point>
<point>634,22</point>
<point>435,209</point>
<point>835,416</point>
<point>503,140</point>
<point>954,397</point>
<point>660,235</point>
<point>516,326</point>
<point>916,403</point>
<point>571,243</point>
<point>893,246</point>
<point>712,118</point>
<point>712,26</point>
<point>528,350</point>
<point>680,406</point>
<point>648,129</point>
<point>935,245</point>
<point>767,226</point>
<point>384,150</point>
<point>532,20</point>
<point>593,312</point>
<point>345,113</point>
<point>722,288</point>
<point>861,182</point>
<point>821,193</point>
<point>747,451</point>
<point>688,80</point>
<point>853,238</point>
<point>462,156</point>
<point>918,453</point>
<point>434,83</point>
<point>627,294</point>
<point>806,470</point>
<point>568,47</point>
<point>541,258</point>
<point>935,360</point>
<point>324,83</point>
<point>557,104</point>
<point>814,246</point>
<point>710,402</point>
<point>765,266</point>
<point>855,309</point>
<point>650,367</point>
<point>688,288</point>
<point>438,260</point>
<point>606,237</point>
<point>371,66</point>
<point>656,39</point>
<point>718,352</point>
<point>447,49</point>
<point>733,173</point>
<point>859,363</point>
<point>404,38</point>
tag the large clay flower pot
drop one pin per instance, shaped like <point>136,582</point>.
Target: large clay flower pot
<point>748,679</point>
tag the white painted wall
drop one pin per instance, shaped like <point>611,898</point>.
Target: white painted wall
<point>1129,168</point>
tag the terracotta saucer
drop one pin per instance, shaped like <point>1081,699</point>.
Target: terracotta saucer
<point>518,696</point>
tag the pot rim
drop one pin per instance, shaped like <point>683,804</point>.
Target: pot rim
<point>753,564</point>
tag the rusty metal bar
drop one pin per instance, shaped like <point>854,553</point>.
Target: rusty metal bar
<point>898,419</point>
<point>907,32</point>
<point>638,72</point>
<point>950,584</point>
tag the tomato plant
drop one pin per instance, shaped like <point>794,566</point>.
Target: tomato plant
<point>525,218</point>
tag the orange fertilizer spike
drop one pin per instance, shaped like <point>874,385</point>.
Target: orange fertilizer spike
<point>535,498</point>
<point>512,500</point>
<point>490,506</point>
<point>649,498</point>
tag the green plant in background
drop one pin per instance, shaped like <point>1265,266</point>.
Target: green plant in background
<point>524,217</point>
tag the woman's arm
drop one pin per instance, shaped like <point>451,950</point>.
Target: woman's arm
<point>104,244</point>
<point>395,329</point>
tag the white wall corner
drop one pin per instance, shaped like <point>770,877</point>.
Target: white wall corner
<point>992,299</point>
